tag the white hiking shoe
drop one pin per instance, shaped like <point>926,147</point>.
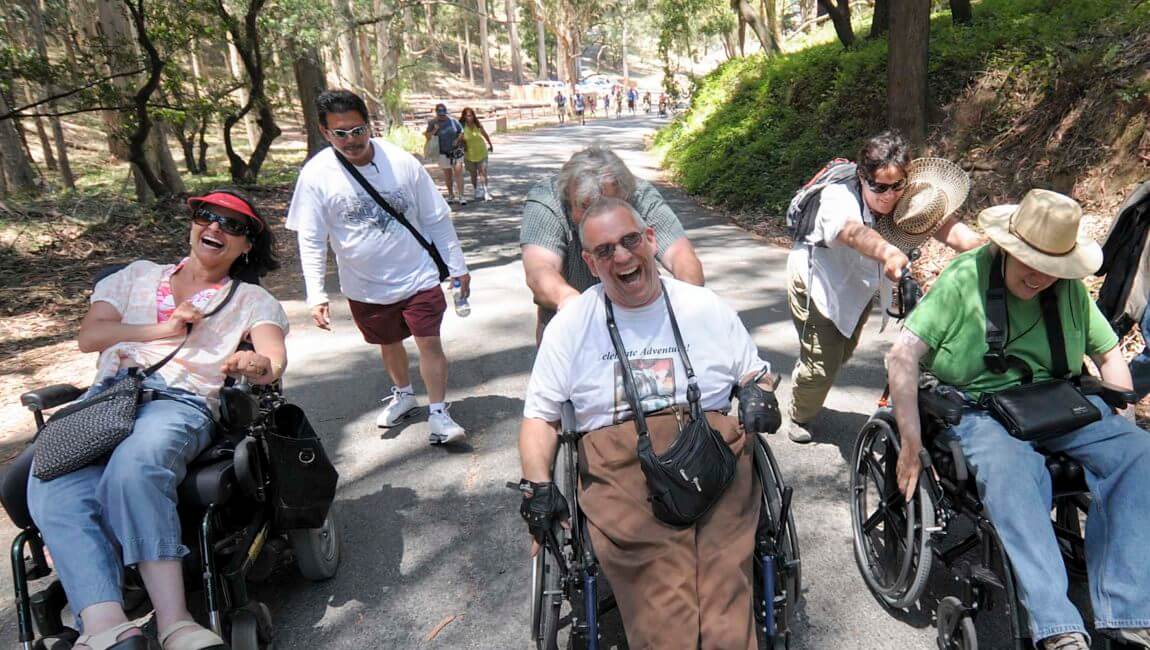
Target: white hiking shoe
<point>444,430</point>
<point>486,194</point>
<point>399,406</point>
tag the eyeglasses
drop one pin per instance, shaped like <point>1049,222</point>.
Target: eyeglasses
<point>883,188</point>
<point>630,241</point>
<point>344,134</point>
<point>229,225</point>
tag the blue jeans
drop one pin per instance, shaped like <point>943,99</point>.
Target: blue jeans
<point>1140,365</point>
<point>103,517</point>
<point>1015,488</point>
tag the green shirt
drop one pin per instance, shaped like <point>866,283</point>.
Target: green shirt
<point>547,223</point>
<point>951,320</point>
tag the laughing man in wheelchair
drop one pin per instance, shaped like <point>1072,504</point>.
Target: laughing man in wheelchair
<point>104,516</point>
<point>1036,260</point>
<point>679,562</point>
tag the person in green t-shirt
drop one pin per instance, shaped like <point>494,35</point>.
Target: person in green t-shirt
<point>1039,246</point>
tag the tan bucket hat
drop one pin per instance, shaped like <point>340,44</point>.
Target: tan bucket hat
<point>935,189</point>
<point>1043,233</point>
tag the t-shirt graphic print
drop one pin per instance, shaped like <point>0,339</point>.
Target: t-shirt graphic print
<point>654,382</point>
<point>360,210</point>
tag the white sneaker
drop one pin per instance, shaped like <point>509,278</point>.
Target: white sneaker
<point>444,430</point>
<point>462,201</point>
<point>486,194</point>
<point>399,406</point>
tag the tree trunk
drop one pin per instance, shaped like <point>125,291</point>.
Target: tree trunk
<point>907,67</point>
<point>237,71</point>
<point>367,73</point>
<point>350,71</point>
<point>747,12</point>
<point>198,166</point>
<point>114,33</point>
<point>485,50</point>
<point>540,40</point>
<point>148,183</point>
<point>623,49</point>
<point>17,166</point>
<point>41,133</point>
<point>880,22</point>
<point>459,48</point>
<point>774,24</point>
<point>511,9</point>
<point>467,49</point>
<point>310,82</point>
<point>36,15</point>
<point>561,57</point>
<point>742,36</point>
<point>840,13</point>
<point>809,11</point>
<point>3,178</point>
<point>960,12</point>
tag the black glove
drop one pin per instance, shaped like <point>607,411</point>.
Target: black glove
<point>758,409</point>
<point>542,506</point>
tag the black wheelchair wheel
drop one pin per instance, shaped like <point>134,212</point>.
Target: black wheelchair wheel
<point>547,600</point>
<point>892,543</point>
<point>318,550</point>
<point>955,626</point>
<point>245,633</point>
<point>788,567</point>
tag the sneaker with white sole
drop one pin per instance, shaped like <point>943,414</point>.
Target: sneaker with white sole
<point>1069,641</point>
<point>444,430</point>
<point>399,406</point>
<point>1133,636</point>
<point>486,194</point>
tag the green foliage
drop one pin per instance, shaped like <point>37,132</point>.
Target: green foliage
<point>758,128</point>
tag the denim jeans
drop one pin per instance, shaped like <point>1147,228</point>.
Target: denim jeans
<point>1140,365</point>
<point>103,517</point>
<point>1015,488</point>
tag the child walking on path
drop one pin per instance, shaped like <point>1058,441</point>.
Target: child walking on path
<point>477,143</point>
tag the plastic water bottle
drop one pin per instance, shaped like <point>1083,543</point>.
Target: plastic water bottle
<point>462,307</point>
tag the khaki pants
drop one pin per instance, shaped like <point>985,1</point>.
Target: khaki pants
<point>677,589</point>
<point>823,350</point>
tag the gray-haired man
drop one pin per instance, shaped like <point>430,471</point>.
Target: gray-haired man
<point>549,233</point>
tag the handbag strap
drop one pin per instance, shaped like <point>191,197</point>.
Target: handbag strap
<point>1049,304</point>
<point>998,327</point>
<point>440,265</point>
<point>151,370</point>
<point>693,392</point>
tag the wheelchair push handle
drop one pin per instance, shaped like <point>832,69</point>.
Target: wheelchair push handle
<point>909,292</point>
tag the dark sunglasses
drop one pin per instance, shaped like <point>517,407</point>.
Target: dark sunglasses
<point>344,134</point>
<point>230,225</point>
<point>883,188</point>
<point>630,241</point>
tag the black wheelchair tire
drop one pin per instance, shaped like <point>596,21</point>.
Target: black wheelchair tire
<point>245,631</point>
<point>548,600</point>
<point>913,568</point>
<point>318,550</point>
<point>772,490</point>
<point>955,626</point>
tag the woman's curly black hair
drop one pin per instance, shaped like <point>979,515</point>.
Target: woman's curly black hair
<point>262,258</point>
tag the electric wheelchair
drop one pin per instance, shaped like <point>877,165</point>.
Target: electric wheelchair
<point>569,591</point>
<point>896,544</point>
<point>230,505</point>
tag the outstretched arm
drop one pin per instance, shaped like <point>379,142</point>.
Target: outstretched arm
<point>902,373</point>
<point>543,268</point>
<point>681,260</point>
<point>958,235</point>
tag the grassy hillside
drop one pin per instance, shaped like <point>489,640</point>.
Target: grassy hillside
<point>1052,93</point>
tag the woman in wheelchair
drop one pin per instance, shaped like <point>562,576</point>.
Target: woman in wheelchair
<point>105,516</point>
<point>1035,263</point>
<point>676,586</point>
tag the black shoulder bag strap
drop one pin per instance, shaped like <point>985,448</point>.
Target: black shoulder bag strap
<point>440,265</point>
<point>151,370</point>
<point>1049,303</point>
<point>693,392</point>
<point>998,325</point>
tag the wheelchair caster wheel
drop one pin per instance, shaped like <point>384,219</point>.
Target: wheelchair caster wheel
<point>251,628</point>
<point>955,626</point>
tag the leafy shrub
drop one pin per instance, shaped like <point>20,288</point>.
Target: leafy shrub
<point>758,128</point>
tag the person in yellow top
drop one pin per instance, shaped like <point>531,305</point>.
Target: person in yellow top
<point>475,160</point>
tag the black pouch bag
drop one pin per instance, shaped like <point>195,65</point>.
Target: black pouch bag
<point>304,478</point>
<point>85,432</point>
<point>1032,411</point>
<point>690,477</point>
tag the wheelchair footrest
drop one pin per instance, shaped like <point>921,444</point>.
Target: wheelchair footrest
<point>985,576</point>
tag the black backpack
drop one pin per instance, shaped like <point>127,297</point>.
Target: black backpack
<point>805,204</point>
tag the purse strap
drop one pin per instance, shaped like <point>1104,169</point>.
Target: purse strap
<point>998,327</point>
<point>151,370</point>
<point>440,265</point>
<point>693,392</point>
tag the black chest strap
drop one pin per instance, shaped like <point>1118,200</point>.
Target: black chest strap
<point>998,327</point>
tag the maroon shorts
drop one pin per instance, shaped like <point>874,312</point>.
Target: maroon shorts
<point>420,315</point>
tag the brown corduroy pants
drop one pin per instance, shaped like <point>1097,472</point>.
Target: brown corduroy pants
<point>676,588</point>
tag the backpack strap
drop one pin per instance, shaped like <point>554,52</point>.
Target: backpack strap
<point>998,327</point>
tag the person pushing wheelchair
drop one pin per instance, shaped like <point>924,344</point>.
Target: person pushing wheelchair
<point>624,353</point>
<point>1025,288</point>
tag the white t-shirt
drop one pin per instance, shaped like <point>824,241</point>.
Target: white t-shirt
<point>196,367</point>
<point>379,260</point>
<point>577,362</point>
<point>840,280</point>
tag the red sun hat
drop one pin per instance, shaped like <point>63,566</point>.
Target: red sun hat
<point>230,201</point>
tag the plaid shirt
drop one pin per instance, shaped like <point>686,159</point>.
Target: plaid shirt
<point>547,223</point>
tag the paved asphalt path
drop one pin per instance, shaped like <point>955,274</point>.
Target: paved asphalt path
<point>432,534</point>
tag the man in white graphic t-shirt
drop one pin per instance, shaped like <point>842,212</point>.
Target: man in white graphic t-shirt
<point>699,576</point>
<point>390,279</point>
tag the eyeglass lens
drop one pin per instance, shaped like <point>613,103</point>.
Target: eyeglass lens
<point>230,225</point>
<point>629,241</point>
<point>349,133</point>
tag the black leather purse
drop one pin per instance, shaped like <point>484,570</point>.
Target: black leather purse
<point>80,434</point>
<point>1032,411</point>
<point>690,477</point>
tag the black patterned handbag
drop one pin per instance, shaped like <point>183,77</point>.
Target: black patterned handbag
<point>80,434</point>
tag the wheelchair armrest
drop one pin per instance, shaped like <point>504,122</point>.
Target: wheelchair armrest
<point>1115,397</point>
<point>48,397</point>
<point>934,405</point>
